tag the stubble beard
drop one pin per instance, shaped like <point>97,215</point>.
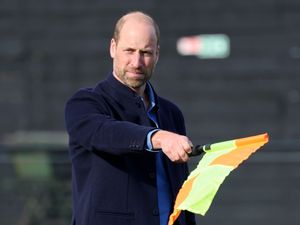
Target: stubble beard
<point>135,83</point>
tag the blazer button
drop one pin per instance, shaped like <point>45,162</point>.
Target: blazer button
<point>155,212</point>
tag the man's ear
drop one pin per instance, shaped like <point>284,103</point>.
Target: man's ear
<point>112,48</point>
<point>157,54</point>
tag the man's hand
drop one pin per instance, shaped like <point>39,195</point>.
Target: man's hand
<point>175,146</point>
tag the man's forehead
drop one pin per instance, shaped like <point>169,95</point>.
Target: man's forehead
<point>133,32</point>
<point>136,24</point>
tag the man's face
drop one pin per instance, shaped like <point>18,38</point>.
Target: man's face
<point>135,54</point>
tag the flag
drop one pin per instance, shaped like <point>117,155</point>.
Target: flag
<point>201,186</point>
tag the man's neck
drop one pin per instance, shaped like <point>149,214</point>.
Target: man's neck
<point>141,91</point>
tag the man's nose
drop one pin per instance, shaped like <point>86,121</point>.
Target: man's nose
<point>136,60</point>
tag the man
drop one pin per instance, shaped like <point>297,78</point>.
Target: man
<point>127,144</point>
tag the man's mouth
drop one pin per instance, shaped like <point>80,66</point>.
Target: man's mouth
<point>136,73</point>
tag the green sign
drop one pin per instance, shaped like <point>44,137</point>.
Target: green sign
<point>32,165</point>
<point>214,46</point>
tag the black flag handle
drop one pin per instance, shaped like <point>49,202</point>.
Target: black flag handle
<point>197,150</point>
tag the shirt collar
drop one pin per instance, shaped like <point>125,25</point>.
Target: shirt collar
<point>150,93</point>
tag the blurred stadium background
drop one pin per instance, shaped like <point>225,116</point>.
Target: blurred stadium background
<point>50,48</point>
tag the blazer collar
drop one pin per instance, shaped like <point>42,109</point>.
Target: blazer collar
<point>120,91</point>
<point>119,88</point>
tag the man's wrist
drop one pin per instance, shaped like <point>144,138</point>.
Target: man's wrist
<point>149,140</point>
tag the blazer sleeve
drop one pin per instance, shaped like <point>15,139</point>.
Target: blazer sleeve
<point>89,124</point>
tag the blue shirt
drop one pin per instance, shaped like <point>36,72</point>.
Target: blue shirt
<point>163,185</point>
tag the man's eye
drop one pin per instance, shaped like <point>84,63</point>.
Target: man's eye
<point>147,53</point>
<point>129,50</point>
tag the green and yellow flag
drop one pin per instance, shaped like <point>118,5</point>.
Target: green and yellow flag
<point>200,188</point>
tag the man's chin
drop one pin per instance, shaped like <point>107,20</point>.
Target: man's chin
<point>136,76</point>
<point>135,83</point>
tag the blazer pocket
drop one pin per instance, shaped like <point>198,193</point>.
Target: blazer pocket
<point>114,218</point>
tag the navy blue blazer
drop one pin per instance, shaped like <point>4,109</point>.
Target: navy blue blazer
<point>113,176</point>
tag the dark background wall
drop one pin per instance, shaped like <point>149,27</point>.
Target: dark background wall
<point>50,48</point>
